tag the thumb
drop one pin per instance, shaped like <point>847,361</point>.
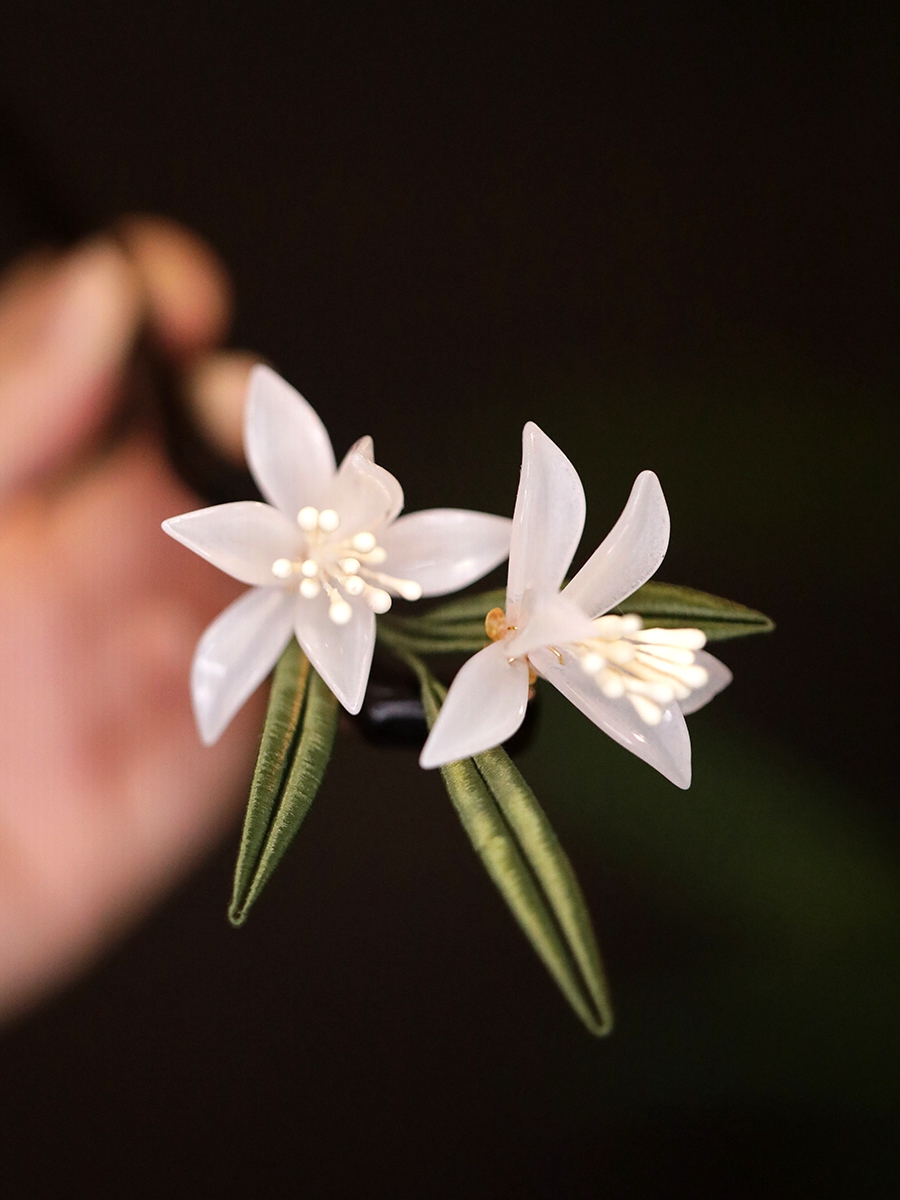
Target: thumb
<point>66,330</point>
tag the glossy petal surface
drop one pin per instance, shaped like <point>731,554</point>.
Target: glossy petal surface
<point>235,654</point>
<point>666,746</point>
<point>552,621</point>
<point>485,705</point>
<point>445,549</point>
<point>629,554</point>
<point>365,446</point>
<point>342,654</point>
<point>719,679</point>
<point>365,496</point>
<point>287,445</point>
<point>547,522</point>
<point>243,539</point>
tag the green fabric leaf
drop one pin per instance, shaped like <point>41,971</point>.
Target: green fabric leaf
<point>294,752</point>
<point>514,839</point>
<point>458,626</point>
<point>455,627</point>
<point>469,641</point>
<point>668,606</point>
<point>464,610</point>
<point>553,870</point>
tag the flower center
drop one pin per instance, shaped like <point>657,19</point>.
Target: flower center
<point>341,567</point>
<point>651,667</point>
<point>496,625</point>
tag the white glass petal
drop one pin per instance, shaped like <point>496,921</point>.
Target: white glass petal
<point>666,746</point>
<point>287,446</point>
<point>445,549</point>
<point>629,554</point>
<point>243,539</point>
<point>235,654</point>
<point>719,678</point>
<point>364,495</point>
<point>547,522</point>
<point>365,446</point>
<point>485,705</point>
<point>342,654</point>
<point>552,620</point>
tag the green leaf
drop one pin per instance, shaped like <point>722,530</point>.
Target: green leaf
<point>294,752</point>
<point>514,839</point>
<point>463,610</point>
<point>417,641</point>
<point>457,627</point>
<point>553,870</point>
<point>286,699</point>
<point>668,606</point>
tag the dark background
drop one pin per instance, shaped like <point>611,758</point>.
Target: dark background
<point>667,233</point>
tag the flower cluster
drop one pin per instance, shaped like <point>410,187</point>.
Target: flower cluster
<point>330,550</point>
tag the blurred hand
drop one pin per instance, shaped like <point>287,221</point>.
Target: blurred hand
<point>106,794</point>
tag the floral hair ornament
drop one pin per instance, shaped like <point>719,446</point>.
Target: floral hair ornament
<point>324,556</point>
<point>636,684</point>
<point>324,559</point>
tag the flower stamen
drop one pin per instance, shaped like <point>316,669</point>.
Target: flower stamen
<point>344,564</point>
<point>651,667</point>
<point>407,588</point>
<point>496,626</point>
<point>377,599</point>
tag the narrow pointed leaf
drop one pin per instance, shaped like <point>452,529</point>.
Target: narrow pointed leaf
<point>457,627</point>
<point>522,856</point>
<point>669,606</point>
<point>286,699</point>
<point>553,870</point>
<point>464,609</point>
<point>424,640</point>
<point>299,769</point>
<point>490,836</point>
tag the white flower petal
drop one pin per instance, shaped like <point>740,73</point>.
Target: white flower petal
<point>547,522</point>
<point>445,549</point>
<point>552,620</point>
<point>243,539</point>
<point>719,678</point>
<point>629,554</point>
<point>485,705</point>
<point>365,446</point>
<point>342,654</point>
<point>666,746</point>
<point>364,495</point>
<point>287,446</point>
<point>235,654</point>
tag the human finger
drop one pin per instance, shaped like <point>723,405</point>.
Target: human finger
<point>189,296</point>
<point>66,329</point>
<point>215,387</point>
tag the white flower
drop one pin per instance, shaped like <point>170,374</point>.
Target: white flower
<point>636,684</point>
<point>324,556</point>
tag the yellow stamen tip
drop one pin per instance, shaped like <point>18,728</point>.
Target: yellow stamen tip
<point>495,625</point>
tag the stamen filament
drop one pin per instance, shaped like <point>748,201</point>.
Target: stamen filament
<point>652,667</point>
